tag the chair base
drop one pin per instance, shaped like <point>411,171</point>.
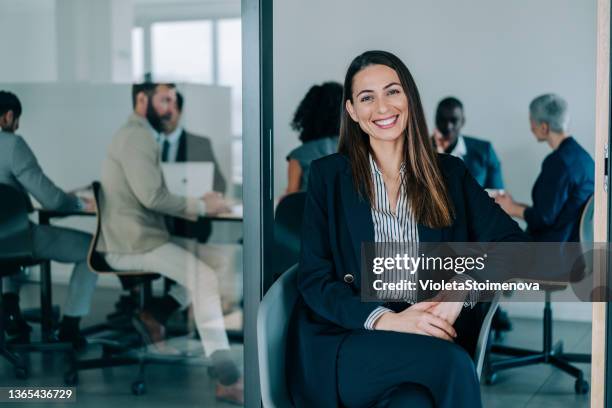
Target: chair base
<point>11,352</point>
<point>550,354</point>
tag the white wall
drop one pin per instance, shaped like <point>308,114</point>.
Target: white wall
<point>28,32</point>
<point>66,40</point>
<point>495,55</point>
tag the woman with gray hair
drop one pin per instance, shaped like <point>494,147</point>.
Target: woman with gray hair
<point>565,182</point>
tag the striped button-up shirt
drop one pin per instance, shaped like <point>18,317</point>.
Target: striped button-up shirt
<point>393,230</point>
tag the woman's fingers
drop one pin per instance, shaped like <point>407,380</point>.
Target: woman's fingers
<point>441,324</point>
<point>432,330</point>
<point>423,306</point>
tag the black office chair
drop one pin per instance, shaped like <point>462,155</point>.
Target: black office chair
<point>550,354</point>
<point>16,252</point>
<point>287,234</point>
<point>139,283</point>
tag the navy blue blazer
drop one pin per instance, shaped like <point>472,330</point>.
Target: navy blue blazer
<point>482,162</point>
<point>336,222</point>
<point>560,193</point>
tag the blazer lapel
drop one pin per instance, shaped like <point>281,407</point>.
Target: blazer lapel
<point>358,214</point>
<point>427,234</point>
<point>181,154</point>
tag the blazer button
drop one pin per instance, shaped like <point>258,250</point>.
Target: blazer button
<point>348,278</point>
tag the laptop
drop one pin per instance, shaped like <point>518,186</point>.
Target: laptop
<point>192,179</point>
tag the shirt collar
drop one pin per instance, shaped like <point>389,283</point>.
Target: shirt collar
<point>375,168</point>
<point>460,150</point>
<point>173,137</point>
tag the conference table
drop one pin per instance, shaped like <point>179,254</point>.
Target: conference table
<point>46,301</point>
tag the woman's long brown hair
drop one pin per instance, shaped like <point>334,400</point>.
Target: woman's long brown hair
<point>424,184</point>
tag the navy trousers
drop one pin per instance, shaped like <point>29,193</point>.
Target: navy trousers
<point>390,369</point>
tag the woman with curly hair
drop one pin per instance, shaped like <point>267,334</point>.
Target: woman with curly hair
<point>317,119</point>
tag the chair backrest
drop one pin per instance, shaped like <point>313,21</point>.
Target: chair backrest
<point>273,319</point>
<point>586,221</point>
<point>95,259</point>
<point>15,232</point>
<point>287,234</point>
<point>483,336</point>
<point>586,237</point>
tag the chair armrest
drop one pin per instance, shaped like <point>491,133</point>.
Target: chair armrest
<point>483,336</point>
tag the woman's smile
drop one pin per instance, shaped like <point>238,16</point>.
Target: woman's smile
<point>386,123</point>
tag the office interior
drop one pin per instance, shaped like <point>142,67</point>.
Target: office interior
<point>72,63</point>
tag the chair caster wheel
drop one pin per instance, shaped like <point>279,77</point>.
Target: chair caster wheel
<point>490,378</point>
<point>21,373</point>
<point>581,386</point>
<point>71,378</point>
<point>138,388</point>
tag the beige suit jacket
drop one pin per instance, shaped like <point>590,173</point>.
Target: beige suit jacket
<point>134,197</point>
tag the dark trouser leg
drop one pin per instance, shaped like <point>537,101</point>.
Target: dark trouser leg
<point>68,246</point>
<point>408,395</point>
<point>373,363</point>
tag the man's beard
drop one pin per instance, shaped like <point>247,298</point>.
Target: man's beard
<point>156,120</point>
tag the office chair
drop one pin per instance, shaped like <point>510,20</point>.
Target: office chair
<point>273,319</point>
<point>137,282</point>
<point>550,354</point>
<point>287,234</point>
<point>16,252</point>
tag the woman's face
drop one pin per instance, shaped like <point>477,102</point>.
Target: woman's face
<point>379,103</point>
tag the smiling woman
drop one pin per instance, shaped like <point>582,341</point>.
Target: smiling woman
<point>382,101</point>
<point>386,184</point>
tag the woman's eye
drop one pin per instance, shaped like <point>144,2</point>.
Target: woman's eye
<point>366,98</point>
<point>394,91</point>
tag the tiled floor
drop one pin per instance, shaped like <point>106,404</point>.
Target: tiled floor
<point>188,385</point>
<point>541,385</point>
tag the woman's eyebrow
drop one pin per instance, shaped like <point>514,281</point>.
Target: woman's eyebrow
<point>391,84</point>
<point>364,91</point>
<point>387,86</point>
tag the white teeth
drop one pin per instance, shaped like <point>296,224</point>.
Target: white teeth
<point>385,122</point>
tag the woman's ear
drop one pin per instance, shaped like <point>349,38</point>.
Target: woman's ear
<point>351,110</point>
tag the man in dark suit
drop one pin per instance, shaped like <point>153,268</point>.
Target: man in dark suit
<point>179,146</point>
<point>477,154</point>
<point>479,157</point>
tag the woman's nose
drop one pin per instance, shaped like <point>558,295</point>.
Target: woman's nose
<point>382,106</point>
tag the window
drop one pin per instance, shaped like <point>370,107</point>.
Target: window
<point>229,66</point>
<point>137,54</point>
<point>198,51</point>
<point>182,51</point>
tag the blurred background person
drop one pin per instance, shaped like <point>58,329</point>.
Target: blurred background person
<point>480,159</point>
<point>19,168</point>
<point>477,154</point>
<point>134,237</point>
<point>178,146</point>
<point>565,182</point>
<point>317,119</point>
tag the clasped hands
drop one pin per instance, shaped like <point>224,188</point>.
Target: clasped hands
<point>433,317</point>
